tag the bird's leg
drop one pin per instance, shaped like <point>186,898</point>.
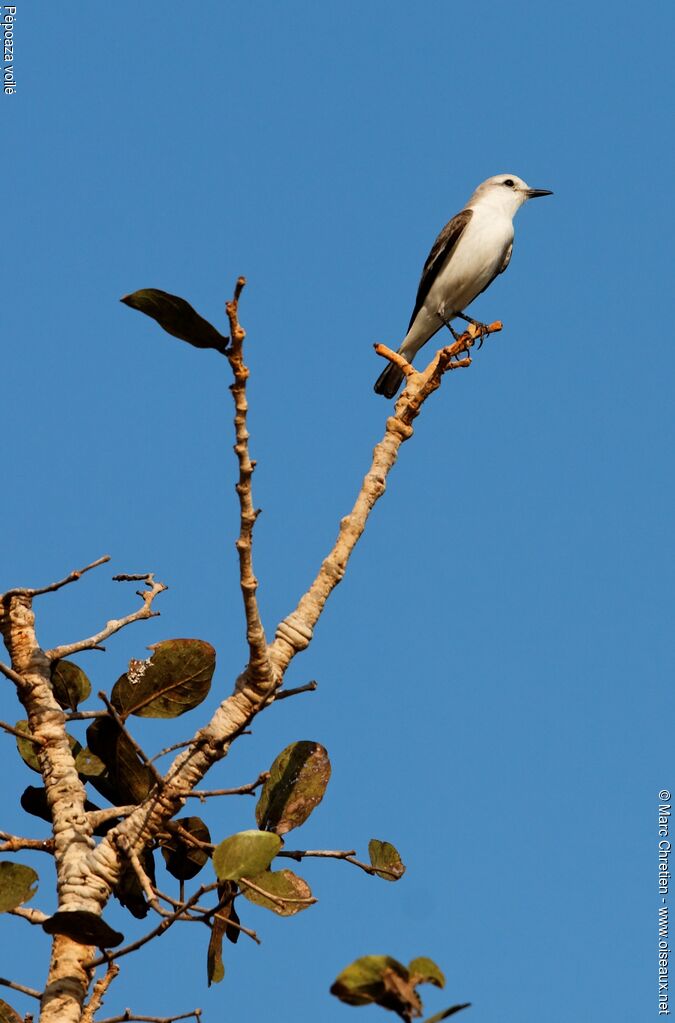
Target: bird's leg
<point>476,323</point>
<point>446,323</point>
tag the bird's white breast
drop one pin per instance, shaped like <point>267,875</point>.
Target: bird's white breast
<point>473,263</point>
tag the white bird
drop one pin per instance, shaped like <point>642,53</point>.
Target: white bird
<point>471,250</point>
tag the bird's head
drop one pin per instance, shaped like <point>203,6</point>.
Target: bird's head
<point>505,192</point>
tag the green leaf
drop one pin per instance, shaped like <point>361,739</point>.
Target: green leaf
<point>215,969</point>
<point>28,750</point>
<point>382,980</point>
<point>183,860</point>
<point>245,854</point>
<point>425,971</point>
<point>8,1014</point>
<point>177,317</point>
<point>446,1012</point>
<point>284,886</point>
<point>18,884</point>
<point>70,684</point>
<point>130,779</point>
<point>174,680</point>
<point>297,782</point>
<point>386,860</point>
<point>84,927</point>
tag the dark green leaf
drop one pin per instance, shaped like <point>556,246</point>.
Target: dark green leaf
<point>177,317</point>
<point>183,860</point>
<point>447,1012</point>
<point>84,927</point>
<point>386,860</point>
<point>70,684</point>
<point>174,680</point>
<point>18,884</point>
<point>285,887</point>
<point>215,970</point>
<point>297,782</point>
<point>245,854</point>
<point>425,971</point>
<point>130,778</point>
<point>128,889</point>
<point>7,1013</point>
<point>28,749</point>
<point>34,800</point>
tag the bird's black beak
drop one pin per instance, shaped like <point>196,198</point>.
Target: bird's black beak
<point>534,193</point>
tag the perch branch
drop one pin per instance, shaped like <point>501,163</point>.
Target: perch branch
<point>22,591</point>
<point>113,626</point>
<point>128,1015</point>
<point>242,790</point>
<point>295,632</point>
<point>283,694</point>
<point>259,670</point>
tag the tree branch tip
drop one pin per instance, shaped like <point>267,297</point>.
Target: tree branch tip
<point>239,287</point>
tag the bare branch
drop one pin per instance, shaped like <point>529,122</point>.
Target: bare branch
<point>97,995</point>
<point>282,694</point>
<point>259,672</point>
<point>242,790</point>
<point>13,843</point>
<point>97,817</point>
<point>170,749</point>
<point>21,735</point>
<point>295,632</point>
<point>124,846</point>
<point>30,991</point>
<point>129,1015</point>
<point>22,591</point>
<point>205,913</point>
<point>12,675</point>
<point>33,916</point>
<point>348,855</point>
<point>113,626</point>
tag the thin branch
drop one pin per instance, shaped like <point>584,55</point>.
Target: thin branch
<point>170,749</point>
<point>96,817</point>
<point>12,675</point>
<point>30,991</point>
<point>13,843</point>
<point>205,913</point>
<point>113,626</point>
<point>129,1015</point>
<point>33,916</point>
<point>295,632</point>
<point>280,900</point>
<point>98,993</point>
<point>242,790</point>
<point>164,924</point>
<point>123,844</point>
<point>259,671</point>
<point>22,591</point>
<point>348,855</point>
<point>21,735</point>
<point>85,715</point>
<point>283,694</point>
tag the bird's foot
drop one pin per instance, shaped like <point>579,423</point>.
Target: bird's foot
<point>481,329</point>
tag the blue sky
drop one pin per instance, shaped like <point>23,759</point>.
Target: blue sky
<point>495,672</point>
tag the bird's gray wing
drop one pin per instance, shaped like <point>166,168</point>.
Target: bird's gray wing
<point>440,250</point>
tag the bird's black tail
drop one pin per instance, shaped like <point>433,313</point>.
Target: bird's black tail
<point>389,381</point>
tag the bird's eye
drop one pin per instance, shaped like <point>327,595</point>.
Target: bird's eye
<point>509,182</point>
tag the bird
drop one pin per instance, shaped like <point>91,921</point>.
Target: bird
<point>472,249</point>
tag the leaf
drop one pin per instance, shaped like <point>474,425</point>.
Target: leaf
<point>70,684</point>
<point>425,971</point>
<point>282,884</point>
<point>131,779</point>
<point>385,857</point>
<point>215,970</point>
<point>297,782</point>
<point>362,981</point>
<point>245,854</point>
<point>128,889</point>
<point>8,1014</point>
<point>177,317</point>
<point>183,860</point>
<point>28,750</point>
<point>446,1012</point>
<point>18,884</point>
<point>174,680</point>
<point>84,927</point>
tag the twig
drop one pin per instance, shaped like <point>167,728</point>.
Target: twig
<point>12,675</point>
<point>170,749</point>
<point>22,591</point>
<point>21,735</point>
<point>348,855</point>
<point>33,916</point>
<point>85,715</point>
<point>280,900</point>
<point>13,843</point>
<point>129,1015</point>
<point>205,913</point>
<point>282,694</point>
<point>98,992</point>
<point>295,632</point>
<point>96,817</point>
<point>115,625</point>
<point>120,723</point>
<point>162,926</point>
<point>123,844</point>
<point>259,669</point>
<point>30,991</point>
<point>242,790</point>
